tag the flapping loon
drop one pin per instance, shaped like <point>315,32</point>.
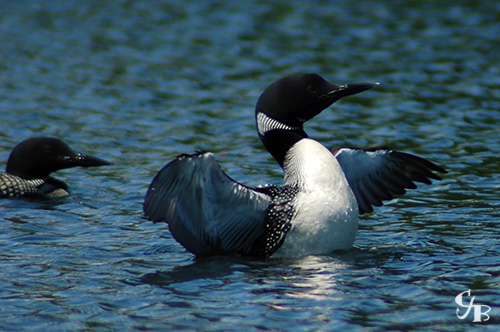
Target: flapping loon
<point>316,210</point>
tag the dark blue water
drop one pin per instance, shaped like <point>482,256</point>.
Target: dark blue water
<point>138,82</point>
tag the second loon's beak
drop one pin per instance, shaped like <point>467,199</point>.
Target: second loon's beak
<point>85,160</point>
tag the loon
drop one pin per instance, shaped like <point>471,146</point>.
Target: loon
<point>31,162</point>
<point>316,211</point>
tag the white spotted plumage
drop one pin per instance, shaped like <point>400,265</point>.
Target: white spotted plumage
<point>13,186</point>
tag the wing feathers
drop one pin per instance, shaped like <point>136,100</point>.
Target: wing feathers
<point>376,174</point>
<point>207,211</point>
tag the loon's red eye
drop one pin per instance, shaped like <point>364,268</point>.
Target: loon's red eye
<point>48,150</point>
<point>311,90</point>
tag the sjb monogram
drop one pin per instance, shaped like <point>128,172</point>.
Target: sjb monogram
<point>478,311</point>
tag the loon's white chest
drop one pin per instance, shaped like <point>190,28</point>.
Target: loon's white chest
<point>326,210</point>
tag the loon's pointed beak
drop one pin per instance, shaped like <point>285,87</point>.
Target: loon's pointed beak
<point>85,160</point>
<point>340,91</point>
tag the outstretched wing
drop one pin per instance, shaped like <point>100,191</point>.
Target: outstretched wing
<point>376,174</point>
<point>207,211</point>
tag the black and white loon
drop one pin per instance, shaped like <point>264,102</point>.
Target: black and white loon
<point>324,192</point>
<point>31,162</point>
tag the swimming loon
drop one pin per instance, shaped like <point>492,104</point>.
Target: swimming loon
<point>324,192</point>
<point>31,162</point>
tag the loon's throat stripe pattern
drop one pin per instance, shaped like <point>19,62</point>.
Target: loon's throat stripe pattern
<point>265,124</point>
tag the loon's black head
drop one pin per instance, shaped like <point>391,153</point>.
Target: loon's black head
<point>287,103</point>
<point>37,157</point>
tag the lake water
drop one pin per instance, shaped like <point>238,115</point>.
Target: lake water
<point>138,82</point>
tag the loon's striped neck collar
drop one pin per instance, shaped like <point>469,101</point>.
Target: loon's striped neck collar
<point>266,124</point>
<point>278,137</point>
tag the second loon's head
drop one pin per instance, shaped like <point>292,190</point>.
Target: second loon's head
<point>37,157</point>
<point>287,103</point>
